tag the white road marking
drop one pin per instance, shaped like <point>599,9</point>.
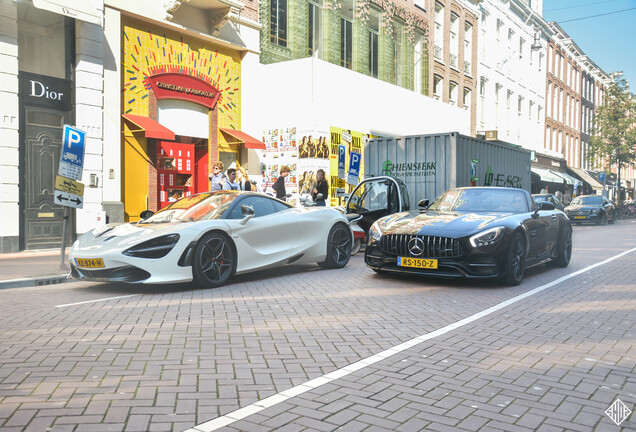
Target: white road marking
<point>270,401</point>
<point>95,301</point>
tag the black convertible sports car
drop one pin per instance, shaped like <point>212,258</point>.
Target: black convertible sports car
<point>477,232</point>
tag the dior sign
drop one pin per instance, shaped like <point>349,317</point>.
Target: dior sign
<point>44,91</point>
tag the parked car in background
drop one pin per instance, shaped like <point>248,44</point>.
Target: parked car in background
<point>591,209</point>
<point>538,198</point>
<point>476,233</point>
<point>209,237</point>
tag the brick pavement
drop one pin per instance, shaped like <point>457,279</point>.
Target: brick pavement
<point>170,357</point>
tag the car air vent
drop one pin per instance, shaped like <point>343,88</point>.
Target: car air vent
<point>105,231</point>
<point>430,246</point>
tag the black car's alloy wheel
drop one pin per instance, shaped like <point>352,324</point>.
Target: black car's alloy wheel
<point>338,246</point>
<point>515,269</point>
<point>214,260</point>
<point>564,248</point>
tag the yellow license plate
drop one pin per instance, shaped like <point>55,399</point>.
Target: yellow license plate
<point>417,262</point>
<point>579,217</point>
<point>89,262</point>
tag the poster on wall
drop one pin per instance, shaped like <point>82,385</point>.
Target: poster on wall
<point>305,151</point>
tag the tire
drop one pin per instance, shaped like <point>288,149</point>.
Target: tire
<point>514,264</point>
<point>357,245</point>
<point>564,248</point>
<point>214,260</point>
<point>603,219</point>
<point>338,246</point>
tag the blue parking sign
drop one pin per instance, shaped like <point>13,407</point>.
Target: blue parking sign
<point>73,146</point>
<point>354,168</point>
<point>342,151</point>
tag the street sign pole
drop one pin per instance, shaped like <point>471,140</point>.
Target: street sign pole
<point>64,233</point>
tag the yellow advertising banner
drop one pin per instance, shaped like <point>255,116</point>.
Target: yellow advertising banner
<point>354,142</point>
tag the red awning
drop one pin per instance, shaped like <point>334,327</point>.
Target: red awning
<point>249,141</point>
<point>151,128</point>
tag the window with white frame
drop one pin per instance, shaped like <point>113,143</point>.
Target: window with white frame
<point>438,86</point>
<point>438,52</point>
<point>278,22</point>
<point>467,98</point>
<point>468,48</point>
<point>549,92</point>
<point>452,93</point>
<point>521,47</point>
<point>454,39</point>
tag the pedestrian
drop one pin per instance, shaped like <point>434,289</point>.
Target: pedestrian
<point>559,196</point>
<point>230,182</point>
<point>567,198</point>
<point>279,185</point>
<point>217,178</point>
<point>321,187</point>
<point>243,180</point>
<point>544,191</point>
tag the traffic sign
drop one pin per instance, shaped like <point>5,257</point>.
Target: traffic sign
<point>353,177</point>
<point>63,184</point>
<point>68,200</point>
<point>72,154</point>
<point>342,151</point>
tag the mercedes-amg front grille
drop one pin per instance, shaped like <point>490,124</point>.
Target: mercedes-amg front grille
<point>430,247</point>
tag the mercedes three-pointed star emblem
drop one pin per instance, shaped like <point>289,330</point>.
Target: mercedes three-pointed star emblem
<point>416,246</point>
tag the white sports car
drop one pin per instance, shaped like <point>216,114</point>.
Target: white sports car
<point>209,237</point>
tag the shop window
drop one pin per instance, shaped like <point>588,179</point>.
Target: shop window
<point>278,22</point>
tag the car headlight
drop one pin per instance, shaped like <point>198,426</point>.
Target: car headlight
<point>156,248</point>
<point>375,233</point>
<point>488,237</point>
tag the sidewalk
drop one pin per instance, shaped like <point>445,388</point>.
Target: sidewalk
<point>32,268</point>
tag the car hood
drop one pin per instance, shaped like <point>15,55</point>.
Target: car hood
<point>125,235</point>
<point>445,224</point>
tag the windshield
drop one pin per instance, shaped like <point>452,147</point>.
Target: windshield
<point>203,206</point>
<point>481,200</point>
<point>588,200</point>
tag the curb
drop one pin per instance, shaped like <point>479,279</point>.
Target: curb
<point>35,281</point>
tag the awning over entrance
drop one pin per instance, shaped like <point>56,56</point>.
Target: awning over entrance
<point>151,128</point>
<point>249,141</point>
<point>546,175</point>
<point>568,178</point>
<point>587,178</point>
<point>83,10</point>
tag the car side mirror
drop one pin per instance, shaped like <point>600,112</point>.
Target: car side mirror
<point>423,203</point>
<point>545,205</point>
<point>146,214</point>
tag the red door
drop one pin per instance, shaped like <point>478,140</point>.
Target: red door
<point>175,173</point>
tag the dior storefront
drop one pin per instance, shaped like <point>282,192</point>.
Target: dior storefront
<point>38,95</point>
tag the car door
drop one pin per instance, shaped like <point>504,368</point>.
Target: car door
<point>372,199</point>
<point>267,239</point>
<point>538,226</point>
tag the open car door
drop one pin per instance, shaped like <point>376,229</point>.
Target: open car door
<point>377,197</point>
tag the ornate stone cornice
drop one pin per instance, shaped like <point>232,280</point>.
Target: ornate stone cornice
<point>171,6</point>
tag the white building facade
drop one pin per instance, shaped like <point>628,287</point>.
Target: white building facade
<point>512,71</point>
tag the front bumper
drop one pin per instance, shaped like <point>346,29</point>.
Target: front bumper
<point>471,265</point>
